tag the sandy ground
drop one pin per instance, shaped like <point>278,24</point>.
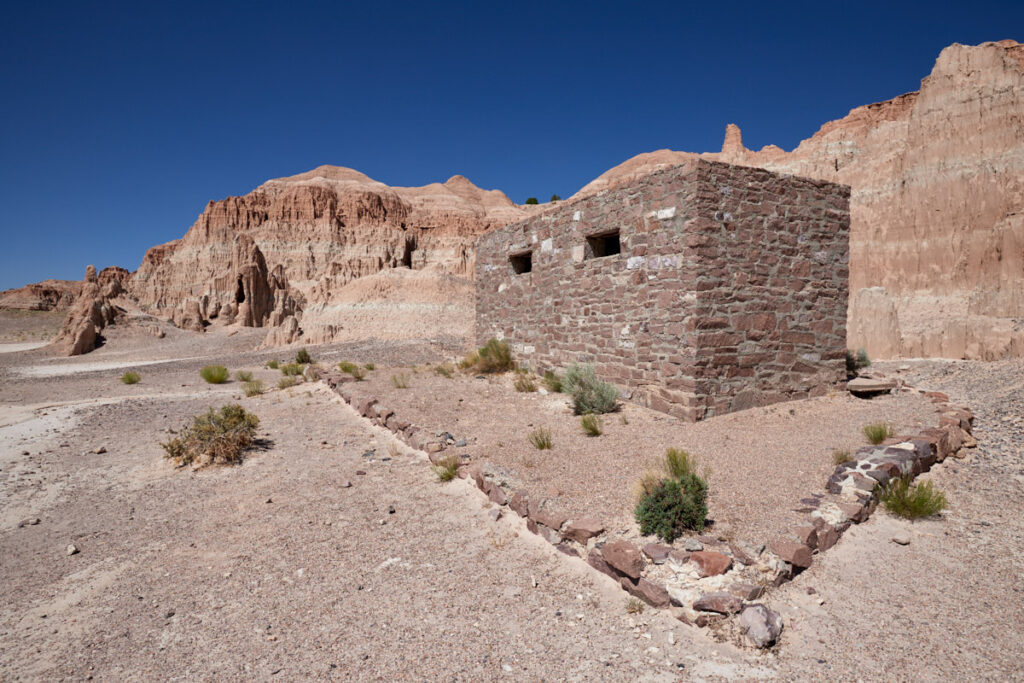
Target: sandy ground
<point>760,462</point>
<point>275,570</point>
<point>18,326</point>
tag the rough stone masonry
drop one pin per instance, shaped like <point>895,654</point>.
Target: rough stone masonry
<point>701,289</point>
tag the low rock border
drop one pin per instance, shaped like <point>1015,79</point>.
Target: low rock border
<point>717,583</point>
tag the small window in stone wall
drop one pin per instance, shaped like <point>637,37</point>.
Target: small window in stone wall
<point>603,244</point>
<point>521,262</point>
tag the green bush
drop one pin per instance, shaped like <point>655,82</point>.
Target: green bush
<point>292,369</point>
<point>912,501</point>
<point>222,436</point>
<point>273,364</point>
<point>493,357</point>
<point>552,382</point>
<point>370,366</point>
<point>856,361</point>
<point>302,357</point>
<point>243,376</point>
<point>672,507</point>
<point>351,368</point>
<point>877,432</point>
<point>287,381</point>
<point>215,374</point>
<point>840,456</point>
<point>555,198</point>
<point>131,377</point>
<point>253,387</point>
<point>532,200</point>
<point>541,439</point>
<point>589,394</point>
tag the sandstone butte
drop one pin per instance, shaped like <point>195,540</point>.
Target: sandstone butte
<point>937,206</point>
<point>936,254</point>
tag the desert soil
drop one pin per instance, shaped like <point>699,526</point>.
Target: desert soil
<point>275,569</point>
<point>759,463</point>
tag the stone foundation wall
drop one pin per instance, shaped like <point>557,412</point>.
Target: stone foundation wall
<point>729,289</point>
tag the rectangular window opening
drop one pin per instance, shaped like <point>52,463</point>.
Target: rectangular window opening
<point>604,244</point>
<point>521,262</point>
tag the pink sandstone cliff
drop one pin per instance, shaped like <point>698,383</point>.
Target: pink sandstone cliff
<point>937,204</point>
<point>315,233</point>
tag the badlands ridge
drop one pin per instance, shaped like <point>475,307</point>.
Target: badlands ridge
<point>936,253</point>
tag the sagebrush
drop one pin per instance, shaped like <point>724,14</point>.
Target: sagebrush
<point>219,436</point>
<point>589,393</point>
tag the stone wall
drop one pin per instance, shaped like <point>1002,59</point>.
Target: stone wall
<point>729,291</point>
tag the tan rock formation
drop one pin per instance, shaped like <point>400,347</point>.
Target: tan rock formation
<point>55,295</point>
<point>937,205</point>
<point>91,312</point>
<point>313,233</point>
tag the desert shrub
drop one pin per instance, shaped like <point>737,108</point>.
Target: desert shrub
<point>273,364</point>
<point>131,377</point>
<point>446,468</point>
<point>589,394</point>
<point>856,360</point>
<point>552,382</point>
<point>400,381</point>
<point>532,200</point>
<point>673,506</point>
<point>444,371</point>
<point>370,366</point>
<point>634,606</point>
<point>215,374</point>
<point>313,372</point>
<point>591,424</point>
<point>524,383</point>
<point>302,357</point>
<point>221,435</point>
<point>555,198</point>
<point>493,357</point>
<point>541,439</point>
<point>253,387</point>
<point>678,463</point>
<point>243,376</point>
<point>347,367</point>
<point>287,381</point>
<point>840,456</point>
<point>877,432</point>
<point>358,374</point>
<point>913,501</point>
<point>292,369</point>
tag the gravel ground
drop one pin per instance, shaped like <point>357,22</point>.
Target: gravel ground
<point>184,575</point>
<point>761,461</point>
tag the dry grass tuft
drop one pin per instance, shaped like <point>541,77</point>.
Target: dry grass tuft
<point>634,606</point>
<point>446,468</point>
<point>541,439</point>
<point>400,381</point>
<point>877,432</point>
<point>911,501</point>
<point>253,387</point>
<point>288,381</point>
<point>591,424</point>
<point>524,383</point>
<point>839,456</point>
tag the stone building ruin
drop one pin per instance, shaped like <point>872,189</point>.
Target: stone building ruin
<point>700,289</point>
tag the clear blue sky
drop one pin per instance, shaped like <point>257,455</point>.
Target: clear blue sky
<point>118,122</point>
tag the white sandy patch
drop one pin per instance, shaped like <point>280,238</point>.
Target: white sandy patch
<point>21,346</point>
<point>58,369</point>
